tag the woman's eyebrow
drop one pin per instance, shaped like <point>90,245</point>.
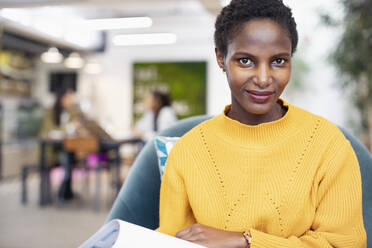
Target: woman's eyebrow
<point>253,56</point>
<point>244,54</point>
<point>282,55</point>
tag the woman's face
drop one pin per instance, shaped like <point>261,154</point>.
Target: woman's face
<point>258,66</point>
<point>67,100</point>
<point>152,103</point>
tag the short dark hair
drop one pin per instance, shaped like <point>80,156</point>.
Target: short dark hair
<point>234,15</point>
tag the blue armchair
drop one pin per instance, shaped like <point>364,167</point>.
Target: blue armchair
<point>138,199</point>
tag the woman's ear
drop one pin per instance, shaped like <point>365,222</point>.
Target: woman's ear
<point>220,59</point>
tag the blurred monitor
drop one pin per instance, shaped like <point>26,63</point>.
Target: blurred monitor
<point>62,80</point>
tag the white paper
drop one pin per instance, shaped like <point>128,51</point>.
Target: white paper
<point>121,234</point>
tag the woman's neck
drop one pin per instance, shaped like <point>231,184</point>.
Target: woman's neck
<point>240,114</point>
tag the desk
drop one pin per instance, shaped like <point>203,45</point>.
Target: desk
<point>105,145</point>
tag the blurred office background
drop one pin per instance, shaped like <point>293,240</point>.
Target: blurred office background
<point>110,63</point>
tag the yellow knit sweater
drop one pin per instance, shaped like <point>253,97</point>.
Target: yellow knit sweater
<point>294,182</point>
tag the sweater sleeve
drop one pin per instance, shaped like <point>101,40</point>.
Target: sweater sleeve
<point>175,212</point>
<point>338,220</point>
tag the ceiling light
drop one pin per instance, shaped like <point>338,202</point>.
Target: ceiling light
<point>55,23</point>
<point>118,23</point>
<point>74,61</point>
<point>16,15</point>
<point>144,39</point>
<point>52,56</point>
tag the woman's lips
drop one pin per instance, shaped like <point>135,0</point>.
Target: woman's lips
<point>260,96</point>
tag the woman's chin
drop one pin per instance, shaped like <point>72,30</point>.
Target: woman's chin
<point>259,108</point>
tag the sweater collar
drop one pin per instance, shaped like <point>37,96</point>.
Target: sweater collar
<point>267,133</point>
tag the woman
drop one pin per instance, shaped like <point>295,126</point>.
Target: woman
<point>264,173</point>
<point>63,120</point>
<point>158,115</point>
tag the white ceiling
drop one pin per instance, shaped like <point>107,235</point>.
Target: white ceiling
<point>14,3</point>
<point>181,16</point>
<point>116,5</point>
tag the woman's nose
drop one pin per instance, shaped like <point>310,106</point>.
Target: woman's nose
<point>263,76</point>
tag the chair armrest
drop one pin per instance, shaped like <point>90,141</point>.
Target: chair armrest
<point>365,164</point>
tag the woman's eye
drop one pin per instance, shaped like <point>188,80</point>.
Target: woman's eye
<point>279,61</point>
<point>245,61</point>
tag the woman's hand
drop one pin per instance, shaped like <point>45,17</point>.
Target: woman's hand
<point>211,237</point>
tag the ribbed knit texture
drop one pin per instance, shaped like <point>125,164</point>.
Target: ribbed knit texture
<point>294,182</point>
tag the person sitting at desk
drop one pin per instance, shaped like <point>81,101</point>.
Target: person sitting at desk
<point>61,121</point>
